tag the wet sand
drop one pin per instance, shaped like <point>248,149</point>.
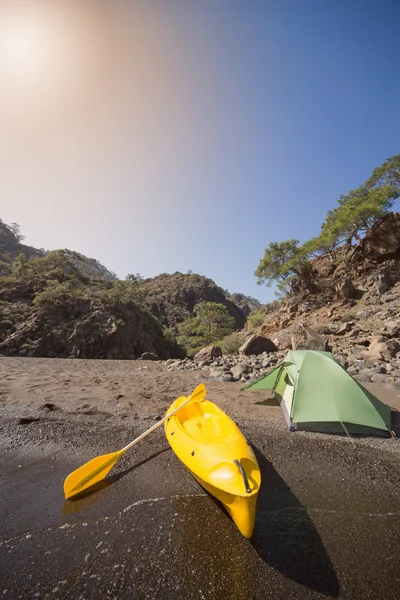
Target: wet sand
<point>328,518</point>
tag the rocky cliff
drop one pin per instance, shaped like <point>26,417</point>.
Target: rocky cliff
<point>68,317</point>
<point>350,305</point>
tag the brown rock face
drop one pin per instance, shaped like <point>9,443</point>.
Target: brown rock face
<point>87,332</point>
<point>207,355</point>
<point>257,344</point>
<point>386,276</point>
<point>346,289</point>
<point>324,265</point>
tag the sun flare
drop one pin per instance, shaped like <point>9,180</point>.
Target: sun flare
<point>54,59</point>
<point>27,45</point>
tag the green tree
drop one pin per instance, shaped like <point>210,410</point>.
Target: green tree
<point>135,278</point>
<point>19,266</point>
<point>281,262</point>
<point>361,208</point>
<point>355,213</point>
<point>255,319</point>
<point>16,231</point>
<point>386,174</point>
<point>57,263</point>
<point>211,321</point>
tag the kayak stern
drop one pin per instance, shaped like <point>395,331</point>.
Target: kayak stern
<point>240,507</point>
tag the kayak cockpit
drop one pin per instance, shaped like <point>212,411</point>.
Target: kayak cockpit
<point>204,424</point>
<point>207,429</point>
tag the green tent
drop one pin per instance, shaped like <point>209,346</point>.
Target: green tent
<point>317,394</point>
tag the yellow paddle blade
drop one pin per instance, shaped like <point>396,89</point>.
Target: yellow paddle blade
<point>90,473</point>
<point>199,393</point>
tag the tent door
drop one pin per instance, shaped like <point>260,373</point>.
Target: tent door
<point>286,402</point>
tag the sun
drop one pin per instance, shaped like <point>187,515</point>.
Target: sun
<point>22,43</point>
<point>55,57</point>
<point>27,45</point>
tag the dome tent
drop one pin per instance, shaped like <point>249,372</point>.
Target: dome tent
<point>317,394</point>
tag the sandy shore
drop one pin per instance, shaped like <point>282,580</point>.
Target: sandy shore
<point>328,519</point>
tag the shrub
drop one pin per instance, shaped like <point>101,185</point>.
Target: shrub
<point>230,344</point>
<point>169,336</point>
<point>255,319</point>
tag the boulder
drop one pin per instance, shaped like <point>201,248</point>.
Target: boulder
<point>383,283</point>
<point>149,356</point>
<point>382,349</point>
<point>283,339</point>
<point>344,328</point>
<point>239,370</point>
<point>217,371</point>
<point>392,328</point>
<point>207,355</point>
<point>257,344</point>
<point>306,338</point>
<point>354,332</point>
<point>227,377</point>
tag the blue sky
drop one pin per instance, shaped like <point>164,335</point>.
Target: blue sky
<point>196,133</point>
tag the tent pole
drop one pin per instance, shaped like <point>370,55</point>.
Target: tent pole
<point>347,433</point>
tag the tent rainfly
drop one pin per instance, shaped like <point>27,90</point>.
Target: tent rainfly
<point>317,394</point>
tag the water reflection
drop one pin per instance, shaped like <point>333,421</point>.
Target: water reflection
<point>92,495</point>
<point>207,546</point>
<point>85,499</point>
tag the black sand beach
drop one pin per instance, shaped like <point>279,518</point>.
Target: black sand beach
<point>328,519</point>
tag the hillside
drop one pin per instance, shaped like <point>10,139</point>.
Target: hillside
<point>246,303</point>
<point>50,309</point>
<point>349,304</point>
<point>62,304</point>
<point>171,298</point>
<point>11,247</point>
<point>56,305</point>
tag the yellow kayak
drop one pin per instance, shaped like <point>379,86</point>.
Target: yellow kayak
<point>216,453</point>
